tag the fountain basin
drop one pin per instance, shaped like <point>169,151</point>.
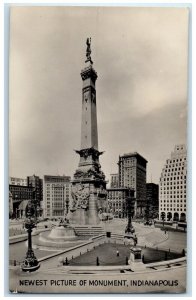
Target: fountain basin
<point>60,237</point>
<point>62,233</point>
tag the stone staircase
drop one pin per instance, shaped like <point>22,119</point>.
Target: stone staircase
<point>88,230</point>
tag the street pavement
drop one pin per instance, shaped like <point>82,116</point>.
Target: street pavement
<point>169,280</point>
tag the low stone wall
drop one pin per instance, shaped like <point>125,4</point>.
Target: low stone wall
<point>18,238</point>
<point>23,237</point>
<point>164,265</point>
<point>79,249</point>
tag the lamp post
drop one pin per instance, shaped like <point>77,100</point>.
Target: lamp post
<point>67,207</point>
<point>35,202</point>
<point>130,206</point>
<point>30,264</point>
<point>16,209</point>
<point>129,231</point>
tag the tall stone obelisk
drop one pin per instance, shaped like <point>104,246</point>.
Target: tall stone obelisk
<point>88,184</point>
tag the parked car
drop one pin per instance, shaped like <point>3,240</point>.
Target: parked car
<point>149,223</point>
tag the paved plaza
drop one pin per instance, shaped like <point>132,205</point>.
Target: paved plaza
<point>51,267</point>
<point>107,255</point>
<point>149,236</point>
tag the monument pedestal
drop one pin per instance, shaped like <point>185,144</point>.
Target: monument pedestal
<point>86,202</point>
<point>135,260</point>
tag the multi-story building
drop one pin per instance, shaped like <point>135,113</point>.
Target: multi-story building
<point>20,196</point>
<point>116,198</point>
<point>17,181</point>
<point>22,191</point>
<point>152,199</point>
<point>114,183</point>
<point>172,186</point>
<point>37,184</point>
<point>57,193</point>
<point>132,174</point>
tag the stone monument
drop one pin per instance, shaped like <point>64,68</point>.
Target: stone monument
<point>135,260</point>
<point>88,184</point>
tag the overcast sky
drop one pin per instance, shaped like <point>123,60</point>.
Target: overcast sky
<point>140,55</point>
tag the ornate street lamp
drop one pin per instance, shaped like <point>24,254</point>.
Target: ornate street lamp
<point>129,231</point>
<point>67,207</point>
<point>130,206</point>
<point>30,264</point>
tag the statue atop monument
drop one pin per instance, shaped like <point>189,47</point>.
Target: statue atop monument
<point>88,50</point>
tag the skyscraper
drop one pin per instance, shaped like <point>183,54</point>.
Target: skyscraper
<point>172,186</point>
<point>114,180</point>
<point>132,174</point>
<point>117,200</point>
<point>152,199</point>
<point>37,183</point>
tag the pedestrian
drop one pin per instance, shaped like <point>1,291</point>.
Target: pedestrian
<point>117,253</point>
<point>135,240</point>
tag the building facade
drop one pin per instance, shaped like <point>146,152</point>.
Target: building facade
<point>37,183</point>
<point>132,174</point>
<point>172,186</point>
<point>116,198</point>
<point>152,199</point>
<point>20,195</point>
<point>114,180</point>
<point>22,191</point>
<point>17,181</point>
<point>56,194</point>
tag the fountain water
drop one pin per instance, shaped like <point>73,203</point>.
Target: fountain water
<point>58,237</point>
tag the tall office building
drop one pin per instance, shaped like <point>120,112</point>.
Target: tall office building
<point>152,199</point>
<point>116,201</point>
<point>132,174</point>
<point>37,184</point>
<point>172,186</point>
<point>57,193</point>
<point>114,181</point>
